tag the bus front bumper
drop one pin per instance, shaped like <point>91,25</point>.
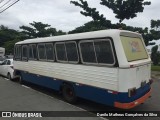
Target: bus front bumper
<point>134,103</point>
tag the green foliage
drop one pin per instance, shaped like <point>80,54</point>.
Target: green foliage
<point>155,68</point>
<point>155,55</point>
<point>125,9</point>
<point>90,26</point>
<point>155,29</point>
<point>8,37</point>
<point>39,29</point>
<point>155,24</point>
<point>9,46</point>
<point>92,12</point>
<point>7,34</point>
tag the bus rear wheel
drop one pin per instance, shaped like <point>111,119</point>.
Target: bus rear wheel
<point>69,93</point>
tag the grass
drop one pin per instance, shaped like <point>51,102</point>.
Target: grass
<point>155,68</point>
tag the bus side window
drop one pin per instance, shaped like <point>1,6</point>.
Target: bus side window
<point>49,52</point>
<point>34,51</point>
<point>30,52</point>
<point>87,52</point>
<point>41,51</point>
<point>17,54</point>
<point>61,52</point>
<point>72,53</point>
<point>24,52</point>
<point>104,52</point>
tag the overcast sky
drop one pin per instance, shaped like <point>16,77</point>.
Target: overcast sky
<point>64,16</point>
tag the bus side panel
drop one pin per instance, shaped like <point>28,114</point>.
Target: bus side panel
<point>95,94</point>
<point>100,77</point>
<point>44,81</point>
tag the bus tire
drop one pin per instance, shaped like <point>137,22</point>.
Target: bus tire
<point>69,93</point>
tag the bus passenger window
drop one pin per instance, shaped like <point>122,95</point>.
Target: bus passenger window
<point>30,52</point>
<point>17,52</point>
<point>34,50</point>
<point>72,53</point>
<point>87,52</point>
<point>41,51</point>
<point>49,51</point>
<point>61,52</point>
<point>24,52</point>
<point>104,52</point>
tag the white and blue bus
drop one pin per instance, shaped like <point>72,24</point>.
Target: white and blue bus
<point>110,67</point>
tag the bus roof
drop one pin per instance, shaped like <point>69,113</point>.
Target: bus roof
<point>1,48</point>
<point>76,36</point>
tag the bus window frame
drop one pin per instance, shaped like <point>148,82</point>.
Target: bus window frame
<point>44,52</point>
<point>24,58</point>
<point>76,52</point>
<point>95,40</point>
<point>112,51</point>
<point>30,45</point>
<point>53,52</point>
<point>15,53</point>
<point>63,61</point>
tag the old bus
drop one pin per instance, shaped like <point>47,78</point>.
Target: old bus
<point>110,67</point>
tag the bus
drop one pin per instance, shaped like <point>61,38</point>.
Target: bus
<point>110,67</point>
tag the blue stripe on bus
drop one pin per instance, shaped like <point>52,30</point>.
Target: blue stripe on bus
<point>41,80</point>
<point>95,94</point>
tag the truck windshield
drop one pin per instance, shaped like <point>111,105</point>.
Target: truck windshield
<point>133,48</point>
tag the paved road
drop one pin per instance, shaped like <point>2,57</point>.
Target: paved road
<point>16,97</point>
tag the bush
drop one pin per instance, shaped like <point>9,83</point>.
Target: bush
<point>155,55</point>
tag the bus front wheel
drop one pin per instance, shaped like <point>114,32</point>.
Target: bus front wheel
<point>69,93</point>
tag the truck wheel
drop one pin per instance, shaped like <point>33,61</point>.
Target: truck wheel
<point>69,93</point>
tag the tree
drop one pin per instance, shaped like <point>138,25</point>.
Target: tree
<point>124,9</point>
<point>155,55</point>
<point>8,38</point>
<point>40,29</point>
<point>155,29</point>
<point>89,26</point>
<point>155,24</point>
<point>92,12</point>
<point>9,46</point>
<point>7,34</point>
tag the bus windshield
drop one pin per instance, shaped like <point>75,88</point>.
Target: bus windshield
<point>133,48</point>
